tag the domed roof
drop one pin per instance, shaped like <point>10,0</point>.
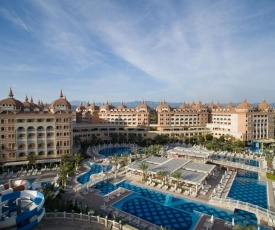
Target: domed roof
<point>30,104</point>
<point>192,104</point>
<point>94,107</point>
<point>212,105</point>
<point>263,105</point>
<point>244,105</point>
<point>11,102</point>
<point>198,106</point>
<point>229,106</point>
<point>60,103</point>
<point>121,106</point>
<point>106,106</point>
<point>184,106</point>
<point>143,105</point>
<point>80,107</point>
<point>163,105</point>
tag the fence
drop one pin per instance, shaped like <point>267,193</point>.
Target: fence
<point>83,217</point>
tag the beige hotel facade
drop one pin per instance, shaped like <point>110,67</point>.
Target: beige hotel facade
<point>38,129</point>
<point>47,131</point>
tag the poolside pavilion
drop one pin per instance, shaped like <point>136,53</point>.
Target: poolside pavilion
<point>195,153</point>
<point>194,175</point>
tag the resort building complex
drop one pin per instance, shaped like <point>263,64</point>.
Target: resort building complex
<point>244,121</point>
<point>47,131</point>
<point>34,129</point>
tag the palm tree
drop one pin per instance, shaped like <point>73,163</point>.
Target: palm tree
<point>32,159</point>
<point>125,158</point>
<point>143,167</point>
<point>157,149</point>
<point>115,159</point>
<point>146,151</point>
<point>178,176</point>
<point>136,152</point>
<point>77,159</point>
<point>269,157</point>
<point>63,171</point>
<point>162,174</point>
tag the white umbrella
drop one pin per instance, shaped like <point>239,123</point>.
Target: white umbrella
<point>116,212</point>
<point>212,219</point>
<point>233,222</point>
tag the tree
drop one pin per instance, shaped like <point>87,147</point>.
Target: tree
<point>161,139</point>
<point>157,149</point>
<point>63,171</point>
<point>125,158</point>
<point>162,174</point>
<point>136,152</point>
<point>115,159</point>
<point>77,159</point>
<point>143,167</point>
<point>32,159</point>
<point>208,137</point>
<point>178,176</point>
<point>269,157</point>
<point>201,139</point>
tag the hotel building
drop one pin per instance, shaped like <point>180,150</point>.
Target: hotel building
<point>46,131</point>
<point>245,121</point>
<point>105,120</point>
<point>34,129</point>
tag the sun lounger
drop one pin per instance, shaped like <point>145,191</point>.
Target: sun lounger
<point>172,189</point>
<point>112,197</point>
<point>228,225</point>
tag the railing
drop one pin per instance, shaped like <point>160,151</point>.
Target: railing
<point>239,165</point>
<point>244,206</point>
<point>83,217</point>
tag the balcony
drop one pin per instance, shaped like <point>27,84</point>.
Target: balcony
<point>21,131</point>
<point>40,130</point>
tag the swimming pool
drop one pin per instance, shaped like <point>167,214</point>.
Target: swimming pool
<point>95,168</point>
<point>167,210</point>
<point>246,187</point>
<point>245,161</point>
<point>114,150</point>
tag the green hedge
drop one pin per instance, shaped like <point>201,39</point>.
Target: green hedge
<point>270,176</point>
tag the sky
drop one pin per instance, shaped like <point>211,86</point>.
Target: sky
<point>127,50</point>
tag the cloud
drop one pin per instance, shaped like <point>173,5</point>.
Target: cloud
<point>179,50</point>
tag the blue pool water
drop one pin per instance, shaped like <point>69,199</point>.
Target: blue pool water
<point>95,168</point>
<point>250,162</point>
<point>247,188</point>
<point>167,210</point>
<point>114,150</point>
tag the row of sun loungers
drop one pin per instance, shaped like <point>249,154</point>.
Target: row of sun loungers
<point>221,186</point>
<point>116,193</point>
<point>172,189</point>
<point>86,191</point>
